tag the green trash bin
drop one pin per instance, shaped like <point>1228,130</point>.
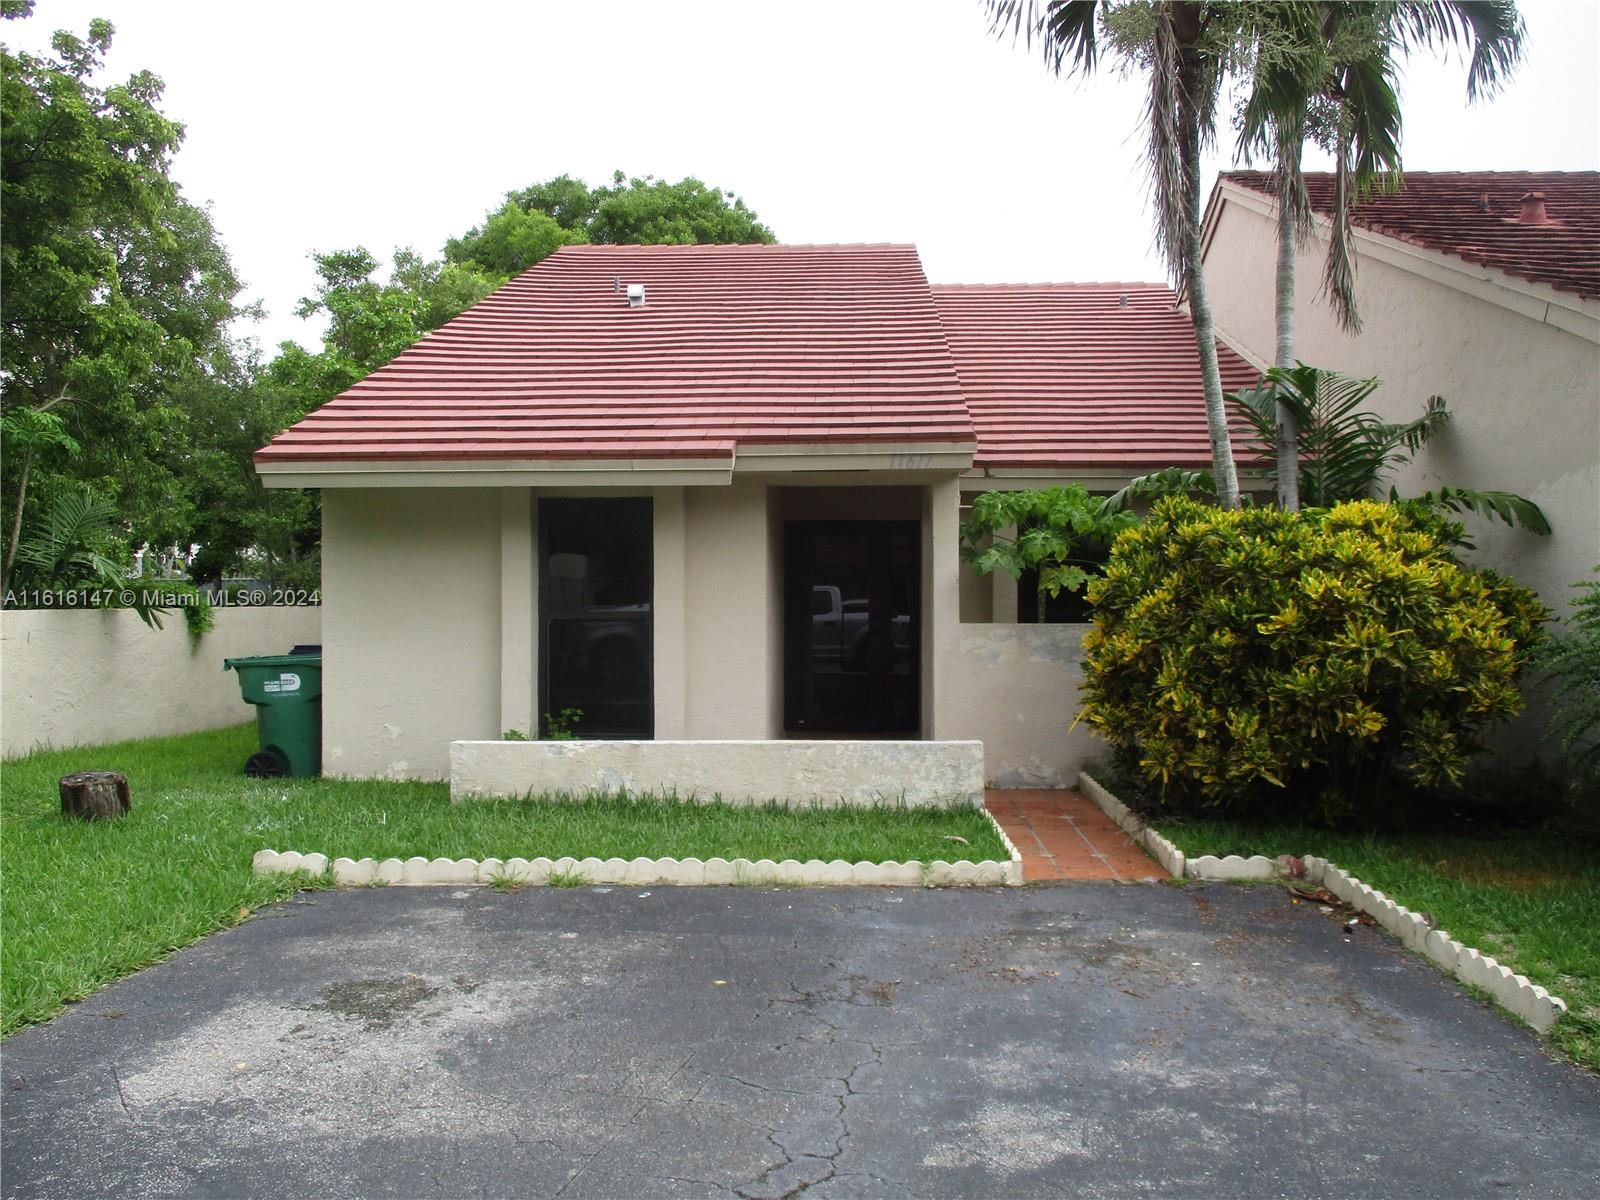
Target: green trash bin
<point>287,692</point>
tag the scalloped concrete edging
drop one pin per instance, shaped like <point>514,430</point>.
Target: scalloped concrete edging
<point>692,872</point>
<point>1159,848</point>
<point>1515,993</point>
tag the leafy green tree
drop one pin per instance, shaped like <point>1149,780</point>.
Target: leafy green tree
<point>238,525</point>
<point>1044,530</point>
<point>511,240</point>
<point>1186,50</point>
<point>537,221</point>
<point>1326,72</point>
<point>116,291</point>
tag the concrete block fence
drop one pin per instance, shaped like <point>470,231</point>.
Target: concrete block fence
<point>77,677</point>
<point>1515,993</point>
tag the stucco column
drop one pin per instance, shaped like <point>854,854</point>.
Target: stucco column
<point>668,608</point>
<point>1005,587</point>
<point>941,604</point>
<point>519,602</point>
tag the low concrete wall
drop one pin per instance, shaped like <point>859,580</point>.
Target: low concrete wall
<point>1015,688</point>
<point>80,678</point>
<point>801,773</point>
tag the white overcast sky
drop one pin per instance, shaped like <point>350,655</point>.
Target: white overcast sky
<point>319,126</point>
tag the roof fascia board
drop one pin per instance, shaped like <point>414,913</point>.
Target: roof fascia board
<point>402,473</point>
<point>1015,479</point>
<point>1238,347</point>
<point>868,456</point>
<point>1536,301</point>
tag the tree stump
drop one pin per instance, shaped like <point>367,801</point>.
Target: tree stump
<point>94,795</point>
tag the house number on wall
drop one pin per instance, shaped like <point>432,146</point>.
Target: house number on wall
<point>910,462</point>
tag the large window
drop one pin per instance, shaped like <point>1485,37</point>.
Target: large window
<point>595,643</point>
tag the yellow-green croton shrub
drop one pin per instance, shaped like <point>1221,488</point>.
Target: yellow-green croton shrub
<point>1334,658</point>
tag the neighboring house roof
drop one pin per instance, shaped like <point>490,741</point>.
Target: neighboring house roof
<point>1082,374</point>
<point>734,345</point>
<point>1478,216</point>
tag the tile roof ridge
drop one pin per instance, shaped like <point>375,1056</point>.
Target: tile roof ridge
<point>1084,285</point>
<point>617,247</point>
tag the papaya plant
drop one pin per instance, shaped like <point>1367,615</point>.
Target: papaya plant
<point>1044,530</point>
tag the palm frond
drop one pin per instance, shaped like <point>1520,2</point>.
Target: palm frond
<point>1493,32</point>
<point>1170,481</point>
<point>64,550</point>
<point>1344,452</point>
<point>1339,269</point>
<point>1065,28</point>
<point>1516,511</point>
<point>1166,158</point>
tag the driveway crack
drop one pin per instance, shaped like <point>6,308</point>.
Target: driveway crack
<point>122,1096</point>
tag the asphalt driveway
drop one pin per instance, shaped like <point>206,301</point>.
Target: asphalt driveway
<point>1068,1041</point>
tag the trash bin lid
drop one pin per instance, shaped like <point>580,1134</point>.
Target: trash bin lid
<point>273,660</point>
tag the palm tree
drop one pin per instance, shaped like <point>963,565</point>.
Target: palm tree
<point>1327,71</point>
<point>1187,49</point>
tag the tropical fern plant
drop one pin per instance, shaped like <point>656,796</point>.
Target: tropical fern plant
<point>66,553</point>
<point>1571,660</point>
<point>1347,453</point>
<point>65,549</point>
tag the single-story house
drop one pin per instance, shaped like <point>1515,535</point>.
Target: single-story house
<point>713,492</point>
<point>1482,287</point>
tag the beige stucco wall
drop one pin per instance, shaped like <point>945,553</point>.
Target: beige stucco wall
<point>87,678</point>
<point>1015,688</point>
<point>730,656</point>
<point>431,626</point>
<point>1523,391</point>
<point>804,773</point>
<point>411,627</point>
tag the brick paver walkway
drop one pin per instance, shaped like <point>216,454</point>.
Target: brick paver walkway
<point>1062,835</point>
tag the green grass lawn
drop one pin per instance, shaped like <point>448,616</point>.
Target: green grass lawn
<point>82,903</point>
<point>1531,898</point>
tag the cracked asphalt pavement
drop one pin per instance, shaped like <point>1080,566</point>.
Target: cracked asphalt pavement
<point>1078,1041</point>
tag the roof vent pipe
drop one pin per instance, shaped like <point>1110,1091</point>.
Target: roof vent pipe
<point>636,295</point>
<point>1533,212</point>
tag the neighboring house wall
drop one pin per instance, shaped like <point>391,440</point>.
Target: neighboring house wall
<point>412,585</point>
<point>1517,362</point>
<point>87,678</point>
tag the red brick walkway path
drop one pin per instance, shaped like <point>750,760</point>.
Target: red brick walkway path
<point>1062,835</point>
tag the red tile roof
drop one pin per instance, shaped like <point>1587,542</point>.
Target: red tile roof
<point>1475,215</point>
<point>734,345</point>
<point>1070,375</point>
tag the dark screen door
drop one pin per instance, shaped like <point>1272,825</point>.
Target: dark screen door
<point>595,632</point>
<point>852,627</point>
